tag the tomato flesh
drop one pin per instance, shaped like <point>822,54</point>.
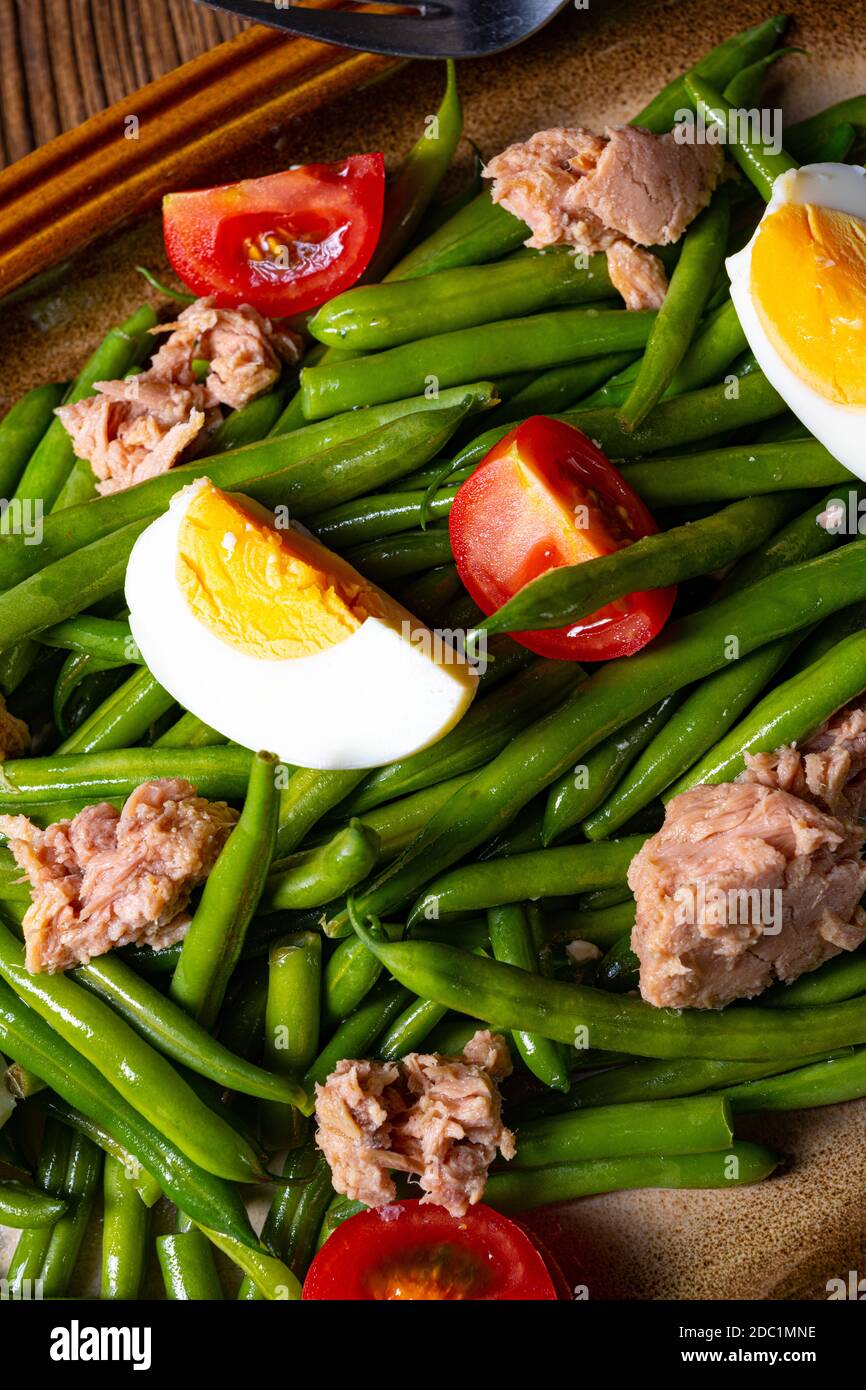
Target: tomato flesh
<point>407,1252</point>
<point>284,243</point>
<point>546,496</point>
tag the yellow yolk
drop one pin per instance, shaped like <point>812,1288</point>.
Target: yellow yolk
<point>808,283</point>
<point>264,591</point>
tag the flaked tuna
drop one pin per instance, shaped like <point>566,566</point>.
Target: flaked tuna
<point>829,769</point>
<point>439,1118</point>
<point>608,193</point>
<point>137,428</point>
<point>108,878</point>
<point>743,885</point>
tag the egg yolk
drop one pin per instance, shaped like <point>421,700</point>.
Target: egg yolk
<point>808,281</point>
<point>266,592</point>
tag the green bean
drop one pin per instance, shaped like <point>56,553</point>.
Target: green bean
<point>619,971</point>
<point>759,165</point>
<point>827,1082</point>
<point>124,1234</point>
<point>741,471</point>
<point>21,1083</point>
<point>396,823</point>
<point>213,944</point>
<point>273,1278</point>
<point>426,595</point>
<point>24,1207</point>
<point>710,709</point>
<point>719,66</point>
<point>187,1266</point>
<point>25,1265</point>
<point>512,941</point>
<point>838,146</point>
<point>291,1020</point>
<point>677,322</point>
<point>313,469</point>
<point>383,316</point>
<point>242,1026</point>
<point>511,345</point>
<point>83,1173</point>
<point>298,1240</point>
<point>299,1167</point>
<point>410,1029</point>
<point>189,732</point>
<point>140,1074</point>
<point>383,514</point>
<point>578,794</point>
<point>106,639</point>
<point>21,430</point>
<point>576,1013</point>
<point>559,389</point>
<point>54,456</point>
<point>408,195</point>
<point>788,714</point>
<point>357,1033</point>
<point>214,772</point>
<point>572,591</point>
<point>308,796</point>
<point>314,877</point>
<point>27,1038</point>
<point>453,1033</point>
<point>170,1029</point>
<point>546,873</point>
<point>837,979</point>
<point>807,139</point>
<point>613,695</point>
<point>521,1190</point>
<point>254,421</point>
<point>395,558</point>
<point>83,682</point>
<point>487,728</point>
<point>687,419</point>
<point>349,975</point>
<point>144,1183</point>
<point>123,718</point>
<point>481,231</point>
<point>601,928</point>
<point>687,1126</point>
<point>67,586</point>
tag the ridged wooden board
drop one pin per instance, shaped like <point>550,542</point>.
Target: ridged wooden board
<point>64,60</point>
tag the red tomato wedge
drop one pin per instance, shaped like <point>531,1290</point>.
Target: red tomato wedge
<point>284,243</point>
<point>410,1252</point>
<point>546,496</point>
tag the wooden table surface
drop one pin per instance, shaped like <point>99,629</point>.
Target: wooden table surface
<point>64,60</point>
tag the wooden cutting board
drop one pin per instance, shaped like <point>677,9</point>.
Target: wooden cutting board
<point>64,60</point>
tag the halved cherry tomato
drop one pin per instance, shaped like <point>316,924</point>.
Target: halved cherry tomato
<point>407,1251</point>
<point>546,496</point>
<point>284,243</point>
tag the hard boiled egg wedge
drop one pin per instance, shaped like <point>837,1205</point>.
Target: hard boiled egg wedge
<point>278,643</point>
<point>799,288</point>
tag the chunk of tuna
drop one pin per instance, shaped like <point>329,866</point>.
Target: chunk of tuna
<point>609,193</point>
<point>109,878</point>
<point>649,187</point>
<point>744,884</point>
<point>137,428</point>
<point>638,275</point>
<point>829,769</point>
<point>437,1117</point>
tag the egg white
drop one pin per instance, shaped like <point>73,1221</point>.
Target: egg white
<point>368,700</point>
<point>840,428</point>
